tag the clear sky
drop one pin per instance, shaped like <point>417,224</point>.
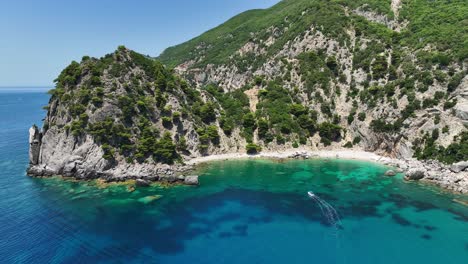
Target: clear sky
<point>38,38</point>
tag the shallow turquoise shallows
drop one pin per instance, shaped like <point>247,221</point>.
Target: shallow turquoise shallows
<point>244,211</point>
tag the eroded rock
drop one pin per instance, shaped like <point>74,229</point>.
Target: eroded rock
<point>460,166</point>
<point>142,183</point>
<point>34,145</point>
<point>415,174</point>
<point>191,180</point>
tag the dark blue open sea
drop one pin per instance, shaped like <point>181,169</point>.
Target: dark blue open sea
<point>251,211</point>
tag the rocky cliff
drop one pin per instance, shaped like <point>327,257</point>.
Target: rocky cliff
<point>122,116</point>
<point>369,75</point>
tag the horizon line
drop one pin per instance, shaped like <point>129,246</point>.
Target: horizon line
<point>26,86</point>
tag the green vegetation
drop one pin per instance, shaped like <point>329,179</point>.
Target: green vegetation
<point>427,148</point>
<point>380,125</point>
<point>209,133</point>
<point>206,111</point>
<point>436,22</point>
<point>280,117</point>
<point>362,116</point>
<point>234,104</point>
<point>165,150</point>
<point>218,44</point>
<point>69,76</point>
<point>329,132</point>
<point>131,132</point>
<point>317,70</point>
<point>356,140</point>
<point>253,148</point>
<point>140,91</point>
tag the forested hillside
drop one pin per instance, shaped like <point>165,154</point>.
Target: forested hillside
<point>382,76</point>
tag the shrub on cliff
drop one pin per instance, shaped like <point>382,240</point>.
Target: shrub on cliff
<point>165,150</point>
<point>329,131</point>
<point>227,125</point>
<point>253,148</point>
<point>108,152</point>
<point>207,112</point>
<point>69,76</point>
<point>429,149</point>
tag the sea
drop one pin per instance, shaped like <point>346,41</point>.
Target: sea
<point>244,211</point>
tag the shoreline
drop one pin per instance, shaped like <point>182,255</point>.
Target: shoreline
<point>428,171</point>
<point>296,153</point>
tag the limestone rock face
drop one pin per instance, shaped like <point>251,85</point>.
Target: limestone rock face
<point>461,110</point>
<point>35,137</point>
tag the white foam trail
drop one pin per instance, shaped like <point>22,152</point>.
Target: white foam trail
<point>330,213</point>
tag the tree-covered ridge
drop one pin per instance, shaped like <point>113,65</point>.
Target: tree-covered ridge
<point>441,24</point>
<point>376,64</point>
<point>219,44</point>
<point>129,104</point>
<point>307,73</point>
<point>136,109</point>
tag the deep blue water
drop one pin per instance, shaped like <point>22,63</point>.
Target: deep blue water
<point>253,211</point>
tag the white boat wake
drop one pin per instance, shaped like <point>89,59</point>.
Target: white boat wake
<point>330,214</point>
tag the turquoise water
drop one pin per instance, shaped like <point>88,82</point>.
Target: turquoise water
<point>250,211</point>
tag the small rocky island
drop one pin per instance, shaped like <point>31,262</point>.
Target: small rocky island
<point>295,84</point>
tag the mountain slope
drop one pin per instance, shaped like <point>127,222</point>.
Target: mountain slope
<point>382,76</point>
<point>126,114</point>
<point>419,22</point>
<point>372,67</point>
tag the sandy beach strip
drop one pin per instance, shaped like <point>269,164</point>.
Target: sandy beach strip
<point>340,154</point>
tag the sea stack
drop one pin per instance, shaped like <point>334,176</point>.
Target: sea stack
<point>35,138</point>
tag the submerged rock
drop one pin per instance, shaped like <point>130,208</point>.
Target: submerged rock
<point>390,173</point>
<point>142,183</point>
<point>463,202</point>
<point>149,199</point>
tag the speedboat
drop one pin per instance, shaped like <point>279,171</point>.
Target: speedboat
<point>311,194</point>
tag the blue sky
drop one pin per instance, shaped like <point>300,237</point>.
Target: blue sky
<point>39,38</point>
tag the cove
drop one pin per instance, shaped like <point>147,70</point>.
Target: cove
<point>246,211</point>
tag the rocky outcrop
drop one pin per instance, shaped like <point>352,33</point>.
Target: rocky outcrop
<point>300,155</point>
<point>461,110</point>
<point>415,174</point>
<point>191,180</point>
<point>142,183</point>
<point>459,166</point>
<point>432,172</point>
<point>35,142</point>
